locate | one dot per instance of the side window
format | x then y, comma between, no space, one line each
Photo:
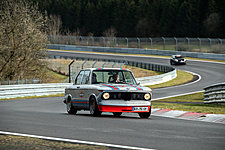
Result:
85,79
79,77
128,77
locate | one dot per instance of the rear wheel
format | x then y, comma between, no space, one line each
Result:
145,114
94,111
117,114
69,107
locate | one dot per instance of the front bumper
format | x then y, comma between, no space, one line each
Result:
123,106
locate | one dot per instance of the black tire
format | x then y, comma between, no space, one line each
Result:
117,114
69,107
145,114
94,111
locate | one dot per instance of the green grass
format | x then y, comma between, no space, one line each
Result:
53,77
199,108
182,78
9,142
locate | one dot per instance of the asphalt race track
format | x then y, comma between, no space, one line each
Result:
48,117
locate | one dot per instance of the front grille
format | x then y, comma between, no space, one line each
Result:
126,96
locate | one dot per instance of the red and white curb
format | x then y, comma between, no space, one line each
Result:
216,118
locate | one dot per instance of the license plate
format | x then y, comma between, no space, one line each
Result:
140,108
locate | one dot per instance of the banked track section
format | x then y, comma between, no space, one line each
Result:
210,72
47,116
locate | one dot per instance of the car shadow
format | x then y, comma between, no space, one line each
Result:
108,115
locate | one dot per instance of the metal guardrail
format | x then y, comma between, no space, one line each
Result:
215,93
14,91
25,81
152,80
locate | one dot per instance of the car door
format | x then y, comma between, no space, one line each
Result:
75,91
84,90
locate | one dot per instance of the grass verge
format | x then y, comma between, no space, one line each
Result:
191,102
53,77
27,143
140,72
182,78
30,97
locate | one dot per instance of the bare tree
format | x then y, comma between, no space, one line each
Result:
110,35
54,25
22,37
111,32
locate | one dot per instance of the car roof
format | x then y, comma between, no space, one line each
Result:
106,69
177,56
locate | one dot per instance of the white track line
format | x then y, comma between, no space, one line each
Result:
73,141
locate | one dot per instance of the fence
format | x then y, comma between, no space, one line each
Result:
107,61
202,45
71,67
215,93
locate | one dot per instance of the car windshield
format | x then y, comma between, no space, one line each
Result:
179,57
113,76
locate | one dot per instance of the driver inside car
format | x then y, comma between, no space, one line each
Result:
115,78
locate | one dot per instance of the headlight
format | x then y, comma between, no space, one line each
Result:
147,96
105,95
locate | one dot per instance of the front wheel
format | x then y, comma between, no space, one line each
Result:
94,111
145,114
70,109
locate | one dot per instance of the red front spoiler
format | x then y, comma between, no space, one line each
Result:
106,108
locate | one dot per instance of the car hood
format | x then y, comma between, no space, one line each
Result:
123,87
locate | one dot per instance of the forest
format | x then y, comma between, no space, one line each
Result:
139,18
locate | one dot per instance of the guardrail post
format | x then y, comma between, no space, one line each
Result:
188,41
221,43
87,40
127,42
113,64
104,64
139,43
121,65
82,65
70,71
164,43
80,40
210,44
93,64
175,42
115,41
200,44
93,41
150,42
103,41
